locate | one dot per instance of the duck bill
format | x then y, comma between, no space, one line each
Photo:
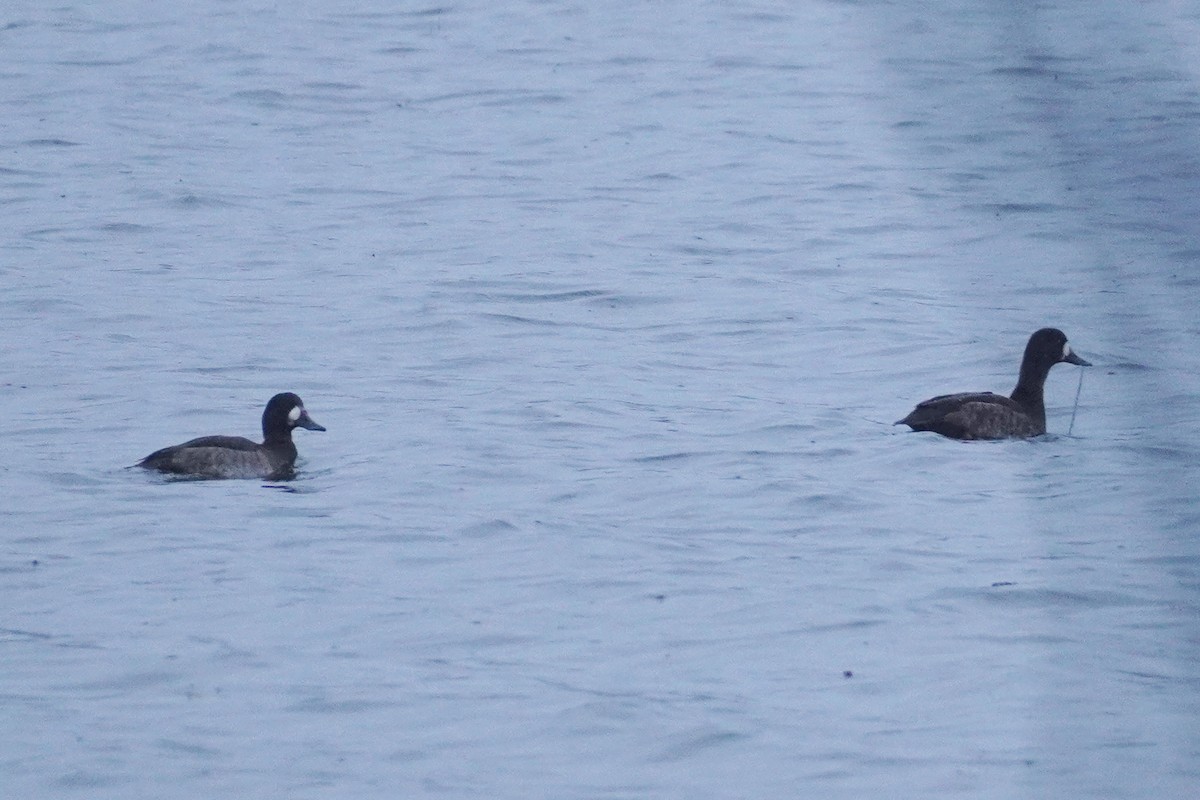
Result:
306,421
1071,358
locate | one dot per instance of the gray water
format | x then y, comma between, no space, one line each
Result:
607,308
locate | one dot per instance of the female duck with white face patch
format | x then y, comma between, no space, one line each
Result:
983,415
237,457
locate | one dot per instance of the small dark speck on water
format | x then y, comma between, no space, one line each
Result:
1002,583
847,673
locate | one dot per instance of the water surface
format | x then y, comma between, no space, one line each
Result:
607,312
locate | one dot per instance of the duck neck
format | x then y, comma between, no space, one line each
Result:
278,439
1028,393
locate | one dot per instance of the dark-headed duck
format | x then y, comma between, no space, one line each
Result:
236,457
983,415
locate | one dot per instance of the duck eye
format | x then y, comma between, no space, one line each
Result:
295,413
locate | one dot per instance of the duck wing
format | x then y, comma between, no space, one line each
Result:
972,415
930,411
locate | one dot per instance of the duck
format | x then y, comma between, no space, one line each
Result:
984,415
238,457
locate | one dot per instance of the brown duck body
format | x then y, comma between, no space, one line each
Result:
225,457
236,456
984,415
977,415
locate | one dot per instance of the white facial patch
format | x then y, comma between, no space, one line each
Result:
295,413
1066,349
